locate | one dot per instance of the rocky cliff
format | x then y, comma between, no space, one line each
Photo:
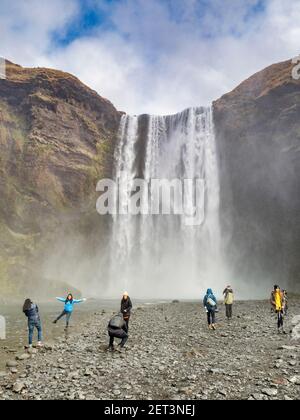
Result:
56,141
258,136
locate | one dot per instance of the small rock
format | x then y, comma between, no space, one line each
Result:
18,387
48,347
32,351
11,364
258,396
270,392
117,392
88,372
295,380
291,348
23,357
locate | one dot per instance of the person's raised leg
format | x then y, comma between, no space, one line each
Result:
59,317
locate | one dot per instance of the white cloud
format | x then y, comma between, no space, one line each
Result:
154,62
26,27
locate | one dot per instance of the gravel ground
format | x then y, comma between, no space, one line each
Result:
170,354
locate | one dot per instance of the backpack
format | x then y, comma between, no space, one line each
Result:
211,302
117,321
229,298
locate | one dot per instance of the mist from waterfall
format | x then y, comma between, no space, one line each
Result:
160,256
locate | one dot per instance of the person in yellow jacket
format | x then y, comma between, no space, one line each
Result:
278,302
228,301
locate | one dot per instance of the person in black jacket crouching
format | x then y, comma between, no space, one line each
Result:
117,329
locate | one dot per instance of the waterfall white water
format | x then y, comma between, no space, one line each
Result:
161,256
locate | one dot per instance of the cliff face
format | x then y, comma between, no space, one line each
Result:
258,137
56,141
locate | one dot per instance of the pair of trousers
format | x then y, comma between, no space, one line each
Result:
122,335
211,317
32,324
228,311
67,315
126,319
279,319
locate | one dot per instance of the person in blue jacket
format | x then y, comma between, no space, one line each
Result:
68,309
31,311
210,304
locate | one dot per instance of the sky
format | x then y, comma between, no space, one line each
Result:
152,56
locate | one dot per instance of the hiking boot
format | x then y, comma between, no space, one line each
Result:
55,322
111,349
213,327
210,327
40,344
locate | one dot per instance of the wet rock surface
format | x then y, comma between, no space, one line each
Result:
170,354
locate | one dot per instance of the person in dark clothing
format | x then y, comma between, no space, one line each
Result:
117,329
31,311
126,307
210,304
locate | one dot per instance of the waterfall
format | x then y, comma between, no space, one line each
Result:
162,255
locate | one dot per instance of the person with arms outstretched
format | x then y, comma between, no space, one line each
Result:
68,308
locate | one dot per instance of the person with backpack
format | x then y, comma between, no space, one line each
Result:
68,308
31,311
228,301
117,328
277,302
210,304
126,307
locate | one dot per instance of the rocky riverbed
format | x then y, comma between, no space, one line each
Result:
170,354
